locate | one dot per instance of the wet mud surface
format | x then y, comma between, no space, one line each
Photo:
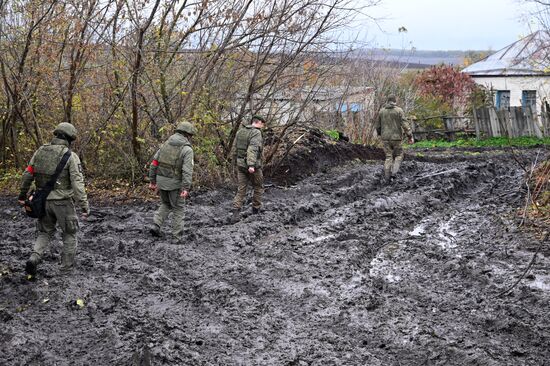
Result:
337,270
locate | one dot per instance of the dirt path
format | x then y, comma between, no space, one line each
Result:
337,271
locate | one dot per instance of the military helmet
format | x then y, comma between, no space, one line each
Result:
186,127
67,129
259,118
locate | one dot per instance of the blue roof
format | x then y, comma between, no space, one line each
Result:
528,56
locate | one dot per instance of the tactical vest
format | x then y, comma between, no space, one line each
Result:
45,162
170,159
242,141
241,144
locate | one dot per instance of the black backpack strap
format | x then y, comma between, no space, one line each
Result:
50,184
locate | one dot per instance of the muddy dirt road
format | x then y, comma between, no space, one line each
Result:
337,271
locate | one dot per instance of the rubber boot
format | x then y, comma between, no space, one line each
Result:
236,216
67,262
155,231
177,240
30,267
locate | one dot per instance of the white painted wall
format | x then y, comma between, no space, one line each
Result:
516,85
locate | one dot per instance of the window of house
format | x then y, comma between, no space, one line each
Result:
353,107
529,98
502,99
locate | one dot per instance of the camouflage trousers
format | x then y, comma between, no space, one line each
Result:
244,178
62,213
170,201
394,156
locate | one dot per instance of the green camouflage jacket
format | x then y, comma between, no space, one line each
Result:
391,123
69,184
172,165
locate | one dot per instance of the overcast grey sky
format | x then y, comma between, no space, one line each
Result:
446,24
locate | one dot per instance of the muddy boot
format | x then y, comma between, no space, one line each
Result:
67,262
235,216
155,231
384,177
177,240
30,267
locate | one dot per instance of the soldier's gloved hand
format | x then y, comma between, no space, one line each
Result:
251,170
184,194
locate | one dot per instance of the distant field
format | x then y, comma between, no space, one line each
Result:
416,57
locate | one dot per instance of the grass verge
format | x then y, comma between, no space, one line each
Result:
490,142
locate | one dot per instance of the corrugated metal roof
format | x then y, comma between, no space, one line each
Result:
528,56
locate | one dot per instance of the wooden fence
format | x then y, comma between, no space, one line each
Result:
510,122
545,118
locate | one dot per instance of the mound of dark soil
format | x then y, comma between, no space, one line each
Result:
308,150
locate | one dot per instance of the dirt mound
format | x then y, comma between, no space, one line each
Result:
307,151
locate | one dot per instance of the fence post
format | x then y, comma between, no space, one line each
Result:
501,114
545,116
514,123
509,124
535,126
522,122
493,119
476,122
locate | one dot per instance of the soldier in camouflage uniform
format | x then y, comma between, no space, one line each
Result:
171,173
60,209
390,126
248,155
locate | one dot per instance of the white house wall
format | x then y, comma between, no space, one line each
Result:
516,84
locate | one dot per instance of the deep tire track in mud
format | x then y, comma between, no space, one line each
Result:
337,270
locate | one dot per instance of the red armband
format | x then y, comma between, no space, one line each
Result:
155,163
30,169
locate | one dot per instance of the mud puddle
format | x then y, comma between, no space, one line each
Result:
337,270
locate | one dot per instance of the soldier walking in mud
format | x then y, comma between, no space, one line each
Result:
390,126
171,174
59,209
248,156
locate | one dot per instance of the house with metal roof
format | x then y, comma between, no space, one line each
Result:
517,75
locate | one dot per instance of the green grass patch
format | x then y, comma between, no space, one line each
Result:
334,134
525,141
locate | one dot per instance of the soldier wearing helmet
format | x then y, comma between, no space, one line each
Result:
248,156
171,173
69,189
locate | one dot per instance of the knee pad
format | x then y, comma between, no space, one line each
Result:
71,225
